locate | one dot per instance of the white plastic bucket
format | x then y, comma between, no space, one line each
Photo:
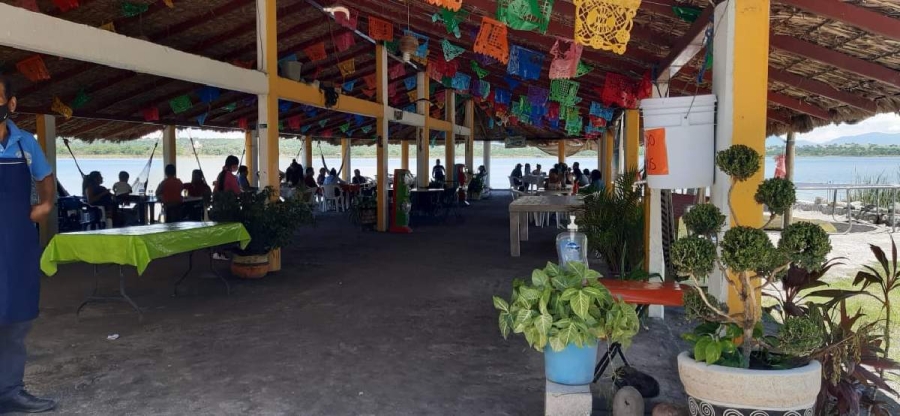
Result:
689,124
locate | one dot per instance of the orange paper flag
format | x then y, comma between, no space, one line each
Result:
657,157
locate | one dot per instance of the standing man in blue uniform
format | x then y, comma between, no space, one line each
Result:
22,165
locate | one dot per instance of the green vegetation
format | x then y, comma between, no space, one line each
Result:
839,150
141,148
563,306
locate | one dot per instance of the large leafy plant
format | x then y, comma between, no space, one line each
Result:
271,224
752,262
613,220
564,306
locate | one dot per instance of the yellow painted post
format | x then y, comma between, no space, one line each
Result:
423,134
46,135
609,141
404,154
741,86
248,156
307,152
381,124
168,145
561,152
632,138
470,139
345,159
450,138
269,109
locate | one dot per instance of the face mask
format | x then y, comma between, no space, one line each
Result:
4,112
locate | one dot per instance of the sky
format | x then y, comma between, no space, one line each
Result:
882,123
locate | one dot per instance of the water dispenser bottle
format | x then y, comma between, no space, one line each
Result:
571,245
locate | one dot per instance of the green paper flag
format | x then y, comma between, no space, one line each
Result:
80,100
451,19
450,50
345,127
564,91
230,107
583,69
688,14
531,15
180,104
133,9
479,71
574,126
393,46
432,87
280,125
323,122
366,129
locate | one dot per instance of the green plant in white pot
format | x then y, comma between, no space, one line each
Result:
568,309
739,366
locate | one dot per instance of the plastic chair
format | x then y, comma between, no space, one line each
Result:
331,196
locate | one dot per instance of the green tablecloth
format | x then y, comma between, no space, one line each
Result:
139,245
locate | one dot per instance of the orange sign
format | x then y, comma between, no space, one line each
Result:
657,158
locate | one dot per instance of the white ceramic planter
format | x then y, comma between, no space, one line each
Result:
724,391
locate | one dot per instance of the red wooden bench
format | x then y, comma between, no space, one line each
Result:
642,294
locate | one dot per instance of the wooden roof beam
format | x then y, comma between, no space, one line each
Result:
686,47
821,89
798,105
847,13
837,59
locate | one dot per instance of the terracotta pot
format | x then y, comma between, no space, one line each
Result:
250,267
714,390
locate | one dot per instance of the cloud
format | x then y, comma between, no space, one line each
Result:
882,123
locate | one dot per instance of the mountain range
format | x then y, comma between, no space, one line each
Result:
879,139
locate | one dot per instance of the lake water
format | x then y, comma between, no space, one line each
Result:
835,169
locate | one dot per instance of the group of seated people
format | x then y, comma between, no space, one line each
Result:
171,192
306,180
559,177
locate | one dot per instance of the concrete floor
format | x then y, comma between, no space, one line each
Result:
357,323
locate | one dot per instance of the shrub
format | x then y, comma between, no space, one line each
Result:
805,244
704,219
777,193
738,161
746,248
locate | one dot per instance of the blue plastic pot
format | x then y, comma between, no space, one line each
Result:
573,366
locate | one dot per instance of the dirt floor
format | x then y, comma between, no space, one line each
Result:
357,323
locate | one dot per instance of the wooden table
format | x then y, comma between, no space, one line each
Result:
522,207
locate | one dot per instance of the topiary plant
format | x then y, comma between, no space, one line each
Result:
752,262
778,194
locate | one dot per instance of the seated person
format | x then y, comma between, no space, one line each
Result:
243,179
537,170
323,173
310,179
98,195
122,187
169,193
585,178
333,178
597,184
197,187
358,179
553,181
516,176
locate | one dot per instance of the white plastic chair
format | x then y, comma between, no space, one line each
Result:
330,196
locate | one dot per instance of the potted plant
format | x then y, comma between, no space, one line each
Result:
613,221
567,308
271,225
476,187
365,209
736,367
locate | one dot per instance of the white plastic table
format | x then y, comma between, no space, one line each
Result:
526,205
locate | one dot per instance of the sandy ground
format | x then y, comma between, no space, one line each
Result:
357,323
852,246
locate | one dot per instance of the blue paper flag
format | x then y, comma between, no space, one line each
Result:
208,94
202,118
290,58
511,82
410,82
502,96
348,86
284,106
598,110
358,119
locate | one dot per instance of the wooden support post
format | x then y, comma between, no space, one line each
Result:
46,135
561,153
632,138
248,156
345,159
740,82
307,152
423,134
609,142
169,146
470,139
404,154
267,106
789,154
486,161
381,124
450,135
